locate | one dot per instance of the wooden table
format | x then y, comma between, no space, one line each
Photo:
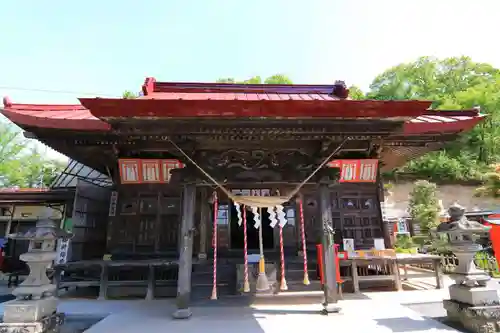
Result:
391,264
408,259
104,266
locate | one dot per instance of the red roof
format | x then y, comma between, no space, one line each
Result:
443,122
176,99
193,105
74,117
235,100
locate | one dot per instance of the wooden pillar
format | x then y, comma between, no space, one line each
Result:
330,285
186,253
204,219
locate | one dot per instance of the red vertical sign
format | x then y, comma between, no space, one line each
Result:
368,170
356,171
151,171
166,168
349,172
129,171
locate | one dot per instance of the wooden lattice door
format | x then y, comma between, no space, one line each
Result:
356,213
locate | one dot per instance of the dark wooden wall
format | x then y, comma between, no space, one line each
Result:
147,220
355,214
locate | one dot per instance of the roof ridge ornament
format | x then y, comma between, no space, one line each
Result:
7,102
149,86
340,90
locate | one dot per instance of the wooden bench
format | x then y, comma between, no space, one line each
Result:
103,283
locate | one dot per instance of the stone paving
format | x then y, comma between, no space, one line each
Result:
360,315
369,312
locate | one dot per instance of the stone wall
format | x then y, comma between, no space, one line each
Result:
462,194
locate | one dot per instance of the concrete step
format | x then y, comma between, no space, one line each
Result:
205,291
299,286
298,274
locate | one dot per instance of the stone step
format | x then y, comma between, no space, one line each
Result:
207,277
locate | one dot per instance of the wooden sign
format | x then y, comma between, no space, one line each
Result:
62,251
253,192
356,171
129,171
166,168
150,171
140,171
113,201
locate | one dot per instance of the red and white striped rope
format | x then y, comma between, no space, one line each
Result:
283,285
303,238
246,284
214,242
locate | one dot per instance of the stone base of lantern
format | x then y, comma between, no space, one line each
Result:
477,319
476,295
475,308
31,316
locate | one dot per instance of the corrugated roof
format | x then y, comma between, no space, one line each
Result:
443,122
240,96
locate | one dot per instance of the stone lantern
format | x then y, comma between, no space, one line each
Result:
474,301
35,308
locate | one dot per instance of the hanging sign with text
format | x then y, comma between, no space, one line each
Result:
356,171
140,171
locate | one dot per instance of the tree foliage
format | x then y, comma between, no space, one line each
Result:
451,83
491,185
127,94
424,205
22,165
273,79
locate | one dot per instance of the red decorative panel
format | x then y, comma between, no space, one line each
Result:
368,171
167,166
151,171
136,171
356,171
130,172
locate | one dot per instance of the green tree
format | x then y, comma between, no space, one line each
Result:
273,79
127,94
491,184
22,165
451,83
433,79
424,205
356,93
278,79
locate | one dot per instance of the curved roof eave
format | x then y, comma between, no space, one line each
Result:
65,117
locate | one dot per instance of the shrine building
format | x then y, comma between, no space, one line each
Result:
178,156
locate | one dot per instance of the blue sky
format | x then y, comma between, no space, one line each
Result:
107,46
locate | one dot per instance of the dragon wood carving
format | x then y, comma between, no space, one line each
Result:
257,159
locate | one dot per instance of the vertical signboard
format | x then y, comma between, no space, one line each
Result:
113,201
150,171
129,171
